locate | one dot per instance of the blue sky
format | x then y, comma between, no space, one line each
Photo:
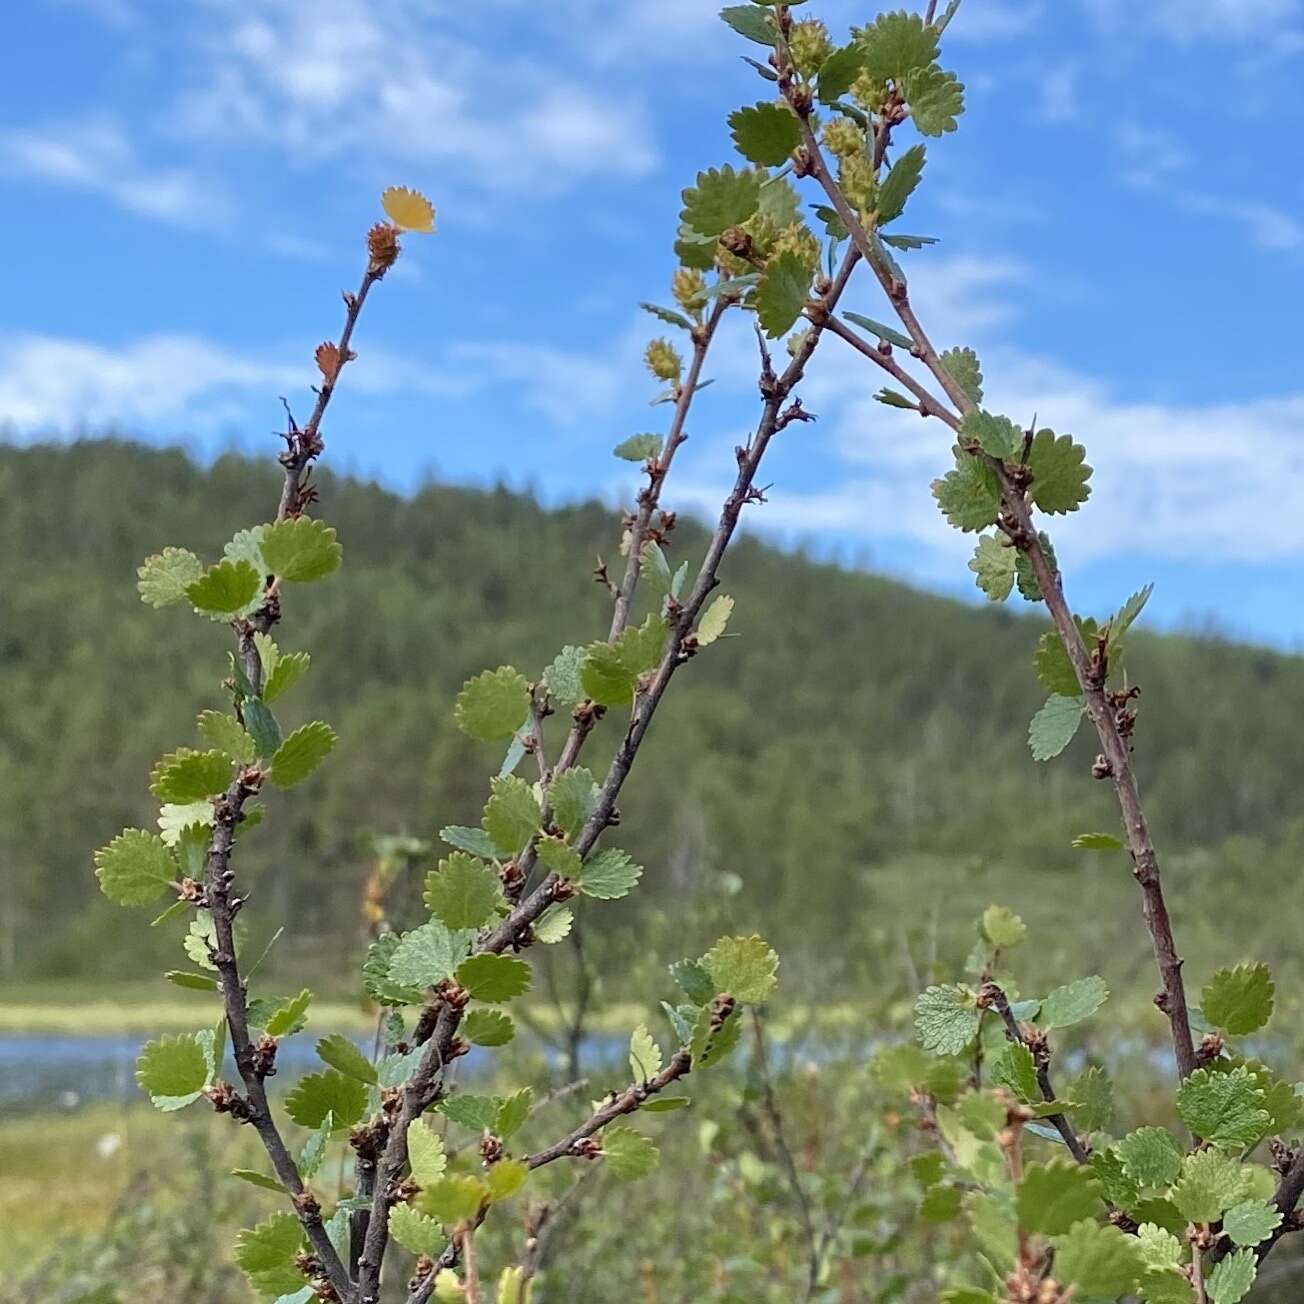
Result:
1122,238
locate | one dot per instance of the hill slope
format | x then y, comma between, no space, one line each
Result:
856,757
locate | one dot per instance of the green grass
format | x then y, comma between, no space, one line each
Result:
65,1173
75,1009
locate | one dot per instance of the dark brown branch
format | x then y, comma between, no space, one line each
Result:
992,996
426,1083
303,447
649,501
774,417
570,1146
419,1093
624,1102
1116,751
218,878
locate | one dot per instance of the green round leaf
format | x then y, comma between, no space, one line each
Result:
493,705
494,978
463,892
300,549
745,967
301,753
135,868
329,1092
1239,1000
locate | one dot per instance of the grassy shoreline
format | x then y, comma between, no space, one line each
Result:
129,1008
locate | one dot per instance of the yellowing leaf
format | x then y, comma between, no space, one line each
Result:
328,360
409,209
715,620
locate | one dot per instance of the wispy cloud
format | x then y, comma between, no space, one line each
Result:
167,381
1155,160
97,156
348,79
52,383
1220,481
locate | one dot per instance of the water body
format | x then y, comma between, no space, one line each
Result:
72,1070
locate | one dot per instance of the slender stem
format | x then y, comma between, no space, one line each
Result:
881,356
303,447
466,1238
624,1102
570,1146
649,501
307,444
994,997
650,497
837,1218
548,1222
771,1107
1145,860
773,418
218,880
425,1085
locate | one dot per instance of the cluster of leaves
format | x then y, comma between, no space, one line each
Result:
1143,1213
245,744
449,960
747,222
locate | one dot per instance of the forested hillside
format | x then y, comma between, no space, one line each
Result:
852,733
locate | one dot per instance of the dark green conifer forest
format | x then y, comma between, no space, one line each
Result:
891,773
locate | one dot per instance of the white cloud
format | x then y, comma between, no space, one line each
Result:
1059,91
1221,481
96,155
1268,226
348,79
167,381
51,383
1155,160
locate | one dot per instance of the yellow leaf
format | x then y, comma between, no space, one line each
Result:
409,209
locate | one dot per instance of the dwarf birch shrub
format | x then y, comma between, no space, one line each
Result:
1056,1197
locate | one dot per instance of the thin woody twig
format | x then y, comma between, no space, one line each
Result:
1115,749
548,1222
773,1115
573,1146
881,356
992,996
658,468
254,1063
425,1085
624,1102
749,460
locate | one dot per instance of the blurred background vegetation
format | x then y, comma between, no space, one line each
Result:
847,774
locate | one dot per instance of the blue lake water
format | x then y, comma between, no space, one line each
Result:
72,1070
